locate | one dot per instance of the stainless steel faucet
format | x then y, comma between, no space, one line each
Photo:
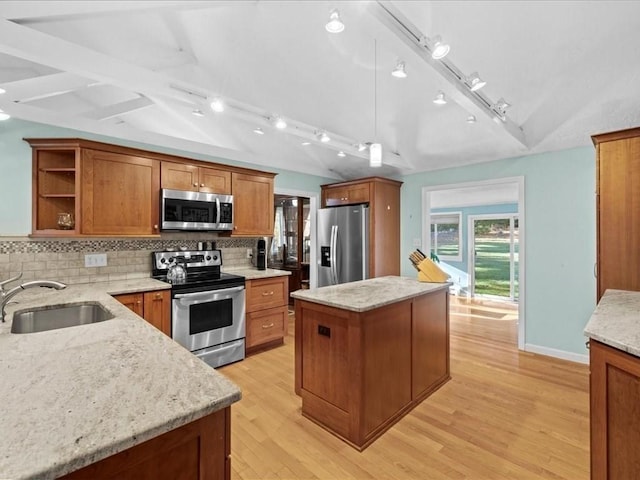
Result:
5,296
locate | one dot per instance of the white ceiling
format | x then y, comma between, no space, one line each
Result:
569,69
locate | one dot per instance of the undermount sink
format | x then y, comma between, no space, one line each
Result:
58,316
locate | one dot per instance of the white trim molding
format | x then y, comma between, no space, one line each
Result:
554,352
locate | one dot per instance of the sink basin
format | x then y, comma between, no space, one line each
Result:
58,316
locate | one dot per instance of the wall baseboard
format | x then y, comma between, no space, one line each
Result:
553,352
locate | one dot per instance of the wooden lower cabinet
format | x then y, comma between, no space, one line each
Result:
615,413
358,373
267,312
199,450
154,307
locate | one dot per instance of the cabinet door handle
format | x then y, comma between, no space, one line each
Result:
195,184
202,184
266,294
139,302
267,326
155,227
158,296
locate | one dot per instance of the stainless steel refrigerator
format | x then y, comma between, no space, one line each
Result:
343,241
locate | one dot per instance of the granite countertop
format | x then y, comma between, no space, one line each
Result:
616,321
368,294
252,273
76,395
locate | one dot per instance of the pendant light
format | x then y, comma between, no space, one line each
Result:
375,149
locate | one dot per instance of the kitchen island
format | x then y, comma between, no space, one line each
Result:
117,394
614,361
368,352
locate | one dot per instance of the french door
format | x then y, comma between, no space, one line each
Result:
493,255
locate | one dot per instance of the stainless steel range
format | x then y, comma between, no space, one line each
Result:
207,306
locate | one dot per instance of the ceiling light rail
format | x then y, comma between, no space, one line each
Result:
475,102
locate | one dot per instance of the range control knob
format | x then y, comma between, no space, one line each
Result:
215,257
208,258
163,260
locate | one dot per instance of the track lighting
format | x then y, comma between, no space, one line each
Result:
305,143
258,131
341,154
440,99
375,155
361,147
2,90
439,49
471,119
399,71
436,46
197,112
501,107
475,82
323,137
4,116
335,24
217,105
279,123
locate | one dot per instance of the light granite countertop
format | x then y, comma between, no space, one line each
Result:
368,294
252,273
76,395
616,321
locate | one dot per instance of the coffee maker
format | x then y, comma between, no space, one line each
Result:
261,255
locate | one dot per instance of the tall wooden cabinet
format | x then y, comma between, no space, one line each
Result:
618,210
383,197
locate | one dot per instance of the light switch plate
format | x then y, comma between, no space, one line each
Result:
249,253
95,260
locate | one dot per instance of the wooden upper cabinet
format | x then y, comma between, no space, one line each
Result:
252,205
120,194
179,176
112,190
333,196
55,189
618,210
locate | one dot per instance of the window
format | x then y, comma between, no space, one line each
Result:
446,236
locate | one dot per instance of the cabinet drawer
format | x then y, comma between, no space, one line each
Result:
267,293
266,325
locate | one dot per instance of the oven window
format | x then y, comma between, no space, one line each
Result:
204,317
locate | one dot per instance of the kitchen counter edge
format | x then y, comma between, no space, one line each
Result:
364,295
616,321
132,383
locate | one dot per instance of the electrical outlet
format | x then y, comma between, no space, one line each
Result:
249,253
95,260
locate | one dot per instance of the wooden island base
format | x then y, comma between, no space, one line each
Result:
359,372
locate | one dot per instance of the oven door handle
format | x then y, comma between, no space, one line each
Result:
208,292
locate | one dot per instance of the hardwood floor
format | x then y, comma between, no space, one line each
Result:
504,415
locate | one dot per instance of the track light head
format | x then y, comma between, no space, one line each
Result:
334,25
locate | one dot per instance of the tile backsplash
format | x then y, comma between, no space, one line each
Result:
63,259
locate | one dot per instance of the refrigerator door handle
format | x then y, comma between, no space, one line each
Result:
334,256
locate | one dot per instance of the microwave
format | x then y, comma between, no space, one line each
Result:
181,210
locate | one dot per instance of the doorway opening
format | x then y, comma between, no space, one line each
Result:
486,269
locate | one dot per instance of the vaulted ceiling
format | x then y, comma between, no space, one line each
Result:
137,70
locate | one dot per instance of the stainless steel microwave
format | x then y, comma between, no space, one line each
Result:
181,210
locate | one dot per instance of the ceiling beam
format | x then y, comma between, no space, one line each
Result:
118,109
476,102
44,86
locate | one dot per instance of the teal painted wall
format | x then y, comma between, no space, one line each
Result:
560,239
15,169
476,210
